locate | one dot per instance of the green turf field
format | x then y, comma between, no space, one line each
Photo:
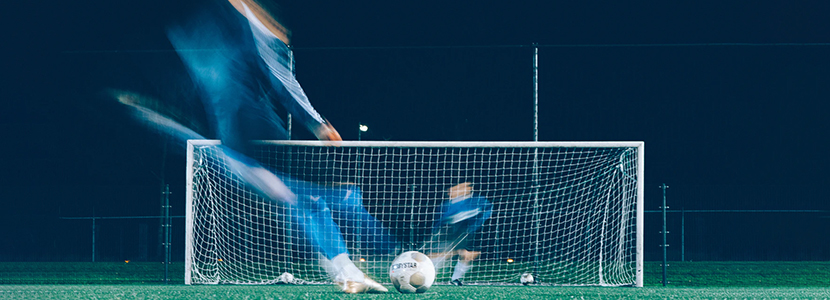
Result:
107,291
709,280
690,274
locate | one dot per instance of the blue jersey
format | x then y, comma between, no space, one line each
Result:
239,84
469,210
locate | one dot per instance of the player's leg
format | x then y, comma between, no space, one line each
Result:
465,260
452,240
440,258
229,79
316,221
444,245
140,109
438,249
315,217
359,227
465,256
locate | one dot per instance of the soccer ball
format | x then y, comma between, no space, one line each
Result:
526,278
412,272
286,278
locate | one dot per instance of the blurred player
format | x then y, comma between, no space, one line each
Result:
236,53
313,214
453,234
342,202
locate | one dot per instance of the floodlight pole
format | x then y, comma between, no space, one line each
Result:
535,92
682,234
665,260
536,213
360,129
289,126
93,234
166,233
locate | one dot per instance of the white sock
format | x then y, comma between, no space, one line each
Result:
460,268
346,269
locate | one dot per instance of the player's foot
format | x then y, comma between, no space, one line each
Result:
457,282
367,286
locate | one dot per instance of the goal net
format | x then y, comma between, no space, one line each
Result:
570,213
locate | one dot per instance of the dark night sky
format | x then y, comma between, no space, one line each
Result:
727,126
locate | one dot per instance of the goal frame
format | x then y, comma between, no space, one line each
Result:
640,145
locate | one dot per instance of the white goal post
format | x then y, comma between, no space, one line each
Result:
570,213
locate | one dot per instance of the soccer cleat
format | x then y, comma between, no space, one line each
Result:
456,282
367,286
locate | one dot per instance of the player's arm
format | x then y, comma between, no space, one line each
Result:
441,219
326,132
265,16
486,209
276,55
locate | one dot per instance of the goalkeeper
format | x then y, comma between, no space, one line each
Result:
454,231
237,53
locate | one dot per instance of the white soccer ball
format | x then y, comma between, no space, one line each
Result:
526,278
286,278
412,272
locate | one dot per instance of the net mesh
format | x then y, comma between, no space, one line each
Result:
565,214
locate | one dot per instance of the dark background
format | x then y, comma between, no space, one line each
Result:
730,98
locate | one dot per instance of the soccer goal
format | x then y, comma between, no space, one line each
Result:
570,213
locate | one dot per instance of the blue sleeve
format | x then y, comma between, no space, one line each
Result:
278,59
486,210
442,217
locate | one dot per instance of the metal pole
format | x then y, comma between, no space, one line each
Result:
93,234
162,175
166,233
535,92
289,127
682,234
538,223
665,261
